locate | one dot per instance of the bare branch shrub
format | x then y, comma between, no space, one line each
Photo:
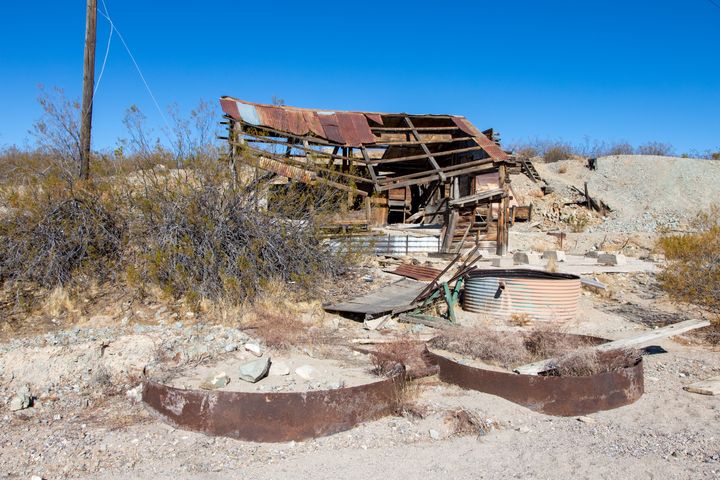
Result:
656,148
464,423
58,131
587,361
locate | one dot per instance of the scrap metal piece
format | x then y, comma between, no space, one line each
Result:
274,417
416,272
552,395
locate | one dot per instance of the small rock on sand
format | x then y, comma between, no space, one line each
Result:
21,401
279,369
218,380
306,372
254,371
254,348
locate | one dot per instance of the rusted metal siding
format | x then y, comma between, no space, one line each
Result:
417,272
540,295
274,417
553,395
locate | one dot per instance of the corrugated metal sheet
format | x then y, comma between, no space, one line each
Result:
541,295
417,272
390,244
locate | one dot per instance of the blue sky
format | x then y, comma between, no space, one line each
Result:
614,70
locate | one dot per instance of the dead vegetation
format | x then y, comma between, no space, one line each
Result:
508,350
463,423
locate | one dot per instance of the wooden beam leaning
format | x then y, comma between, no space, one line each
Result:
634,341
382,161
430,157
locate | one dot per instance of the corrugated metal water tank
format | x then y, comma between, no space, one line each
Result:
541,295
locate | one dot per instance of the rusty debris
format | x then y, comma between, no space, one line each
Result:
417,272
552,395
274,417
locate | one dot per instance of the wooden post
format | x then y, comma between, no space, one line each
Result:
502,234
88,88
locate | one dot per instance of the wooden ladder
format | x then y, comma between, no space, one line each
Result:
529,170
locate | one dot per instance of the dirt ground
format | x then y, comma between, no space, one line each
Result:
84,425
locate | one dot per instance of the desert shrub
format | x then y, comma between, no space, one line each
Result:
51,233
578,222
463,422
203,237
557,152
656,148
621,148
692,271
715,156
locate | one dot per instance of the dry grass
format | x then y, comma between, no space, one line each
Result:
551,266
562,169
465,423
586,361
520,319
58,302
505,349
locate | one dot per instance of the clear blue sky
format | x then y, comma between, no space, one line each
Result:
633,70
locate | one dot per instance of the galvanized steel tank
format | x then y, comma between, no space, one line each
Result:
541,295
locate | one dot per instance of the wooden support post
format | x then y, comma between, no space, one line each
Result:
502,233
88,87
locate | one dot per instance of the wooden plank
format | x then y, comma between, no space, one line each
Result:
629,342
711,386
431,159
383,300
421,129
446,170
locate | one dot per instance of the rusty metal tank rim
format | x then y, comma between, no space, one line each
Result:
552,395
274,416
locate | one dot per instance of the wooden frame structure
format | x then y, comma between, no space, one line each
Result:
411,168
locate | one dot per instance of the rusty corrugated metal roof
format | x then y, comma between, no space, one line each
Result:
341,127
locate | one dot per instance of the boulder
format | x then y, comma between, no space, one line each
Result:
254,371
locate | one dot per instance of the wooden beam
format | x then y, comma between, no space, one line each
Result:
430,157
446,170
629,342
422,129
383,161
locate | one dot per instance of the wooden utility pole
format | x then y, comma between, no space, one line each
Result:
88,88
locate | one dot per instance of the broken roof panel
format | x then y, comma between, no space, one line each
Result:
352,129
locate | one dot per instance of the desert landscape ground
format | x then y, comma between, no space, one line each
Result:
84,366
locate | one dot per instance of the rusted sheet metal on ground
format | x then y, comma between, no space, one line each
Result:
553,395
416,272
274,417
541,295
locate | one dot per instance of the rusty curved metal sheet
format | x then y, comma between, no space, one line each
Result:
541,295
274,417
553,395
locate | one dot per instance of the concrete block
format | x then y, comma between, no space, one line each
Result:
526,258
557,255
611,259
592,254
503,262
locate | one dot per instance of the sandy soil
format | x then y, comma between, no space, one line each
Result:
82,429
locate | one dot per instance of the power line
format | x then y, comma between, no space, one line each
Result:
107,52
106,14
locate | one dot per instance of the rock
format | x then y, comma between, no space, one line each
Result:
376,323
279,369
36,477
254,348
21,401
434,434
213,382
336,385
611,259
231,347
503,262
586,419
134,394
556,255
523,429
526,258
255,370
306,372
368,278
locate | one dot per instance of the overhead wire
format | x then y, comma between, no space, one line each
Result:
106,14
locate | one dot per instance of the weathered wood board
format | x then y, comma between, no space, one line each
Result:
383,300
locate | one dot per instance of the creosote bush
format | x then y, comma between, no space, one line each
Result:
692,272
193,232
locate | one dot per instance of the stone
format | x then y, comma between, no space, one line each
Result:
219,380
279,369
306,372
375,323
134,394
526,258
231,347
556,255
586,419
21,400
434,434
611,259
254,371
503,262
254,348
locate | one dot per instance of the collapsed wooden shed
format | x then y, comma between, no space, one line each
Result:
398,167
